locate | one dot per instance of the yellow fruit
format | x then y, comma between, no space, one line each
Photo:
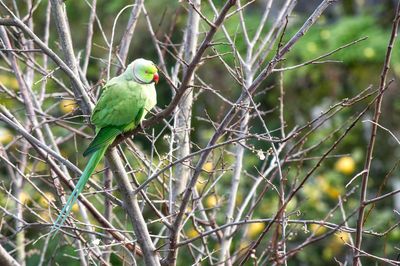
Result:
255,229
67,106
45,202
312,47
9,81
312,192
322,183
239,199
75,207
325,34
369,52
208,167
341,237
192,233
322,20
200,184
24,197
394,235
244,246
346,165
5,136
211,201
188,211
332,192
336,244
328,253
317,229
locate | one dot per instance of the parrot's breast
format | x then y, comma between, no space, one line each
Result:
151,97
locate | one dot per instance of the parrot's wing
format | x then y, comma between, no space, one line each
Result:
104,137
119,105
139,116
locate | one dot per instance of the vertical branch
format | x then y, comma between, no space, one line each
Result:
130,28
282,182
64,34
269,39
237,172
250,70
226,241
187,225
110,48
371,144
45,57
281,105
107,213
231,114
177,225
183,114
160,54
29,75
22,84
279,245
31,103
238,166
89,38
31,121
151,257
84,101
79,90
18,189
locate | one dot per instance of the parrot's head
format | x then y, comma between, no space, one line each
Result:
144,71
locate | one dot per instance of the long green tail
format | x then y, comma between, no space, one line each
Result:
89,169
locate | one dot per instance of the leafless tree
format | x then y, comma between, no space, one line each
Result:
187,199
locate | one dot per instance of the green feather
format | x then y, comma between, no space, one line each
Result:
104,137
89,169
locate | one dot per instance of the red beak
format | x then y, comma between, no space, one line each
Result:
155,78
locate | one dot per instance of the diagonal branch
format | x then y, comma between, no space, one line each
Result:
79,89
84,101
6,259
151,258
371,144
187,77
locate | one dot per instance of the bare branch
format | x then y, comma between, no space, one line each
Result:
371,144
6,259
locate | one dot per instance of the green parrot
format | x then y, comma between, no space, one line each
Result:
123,104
